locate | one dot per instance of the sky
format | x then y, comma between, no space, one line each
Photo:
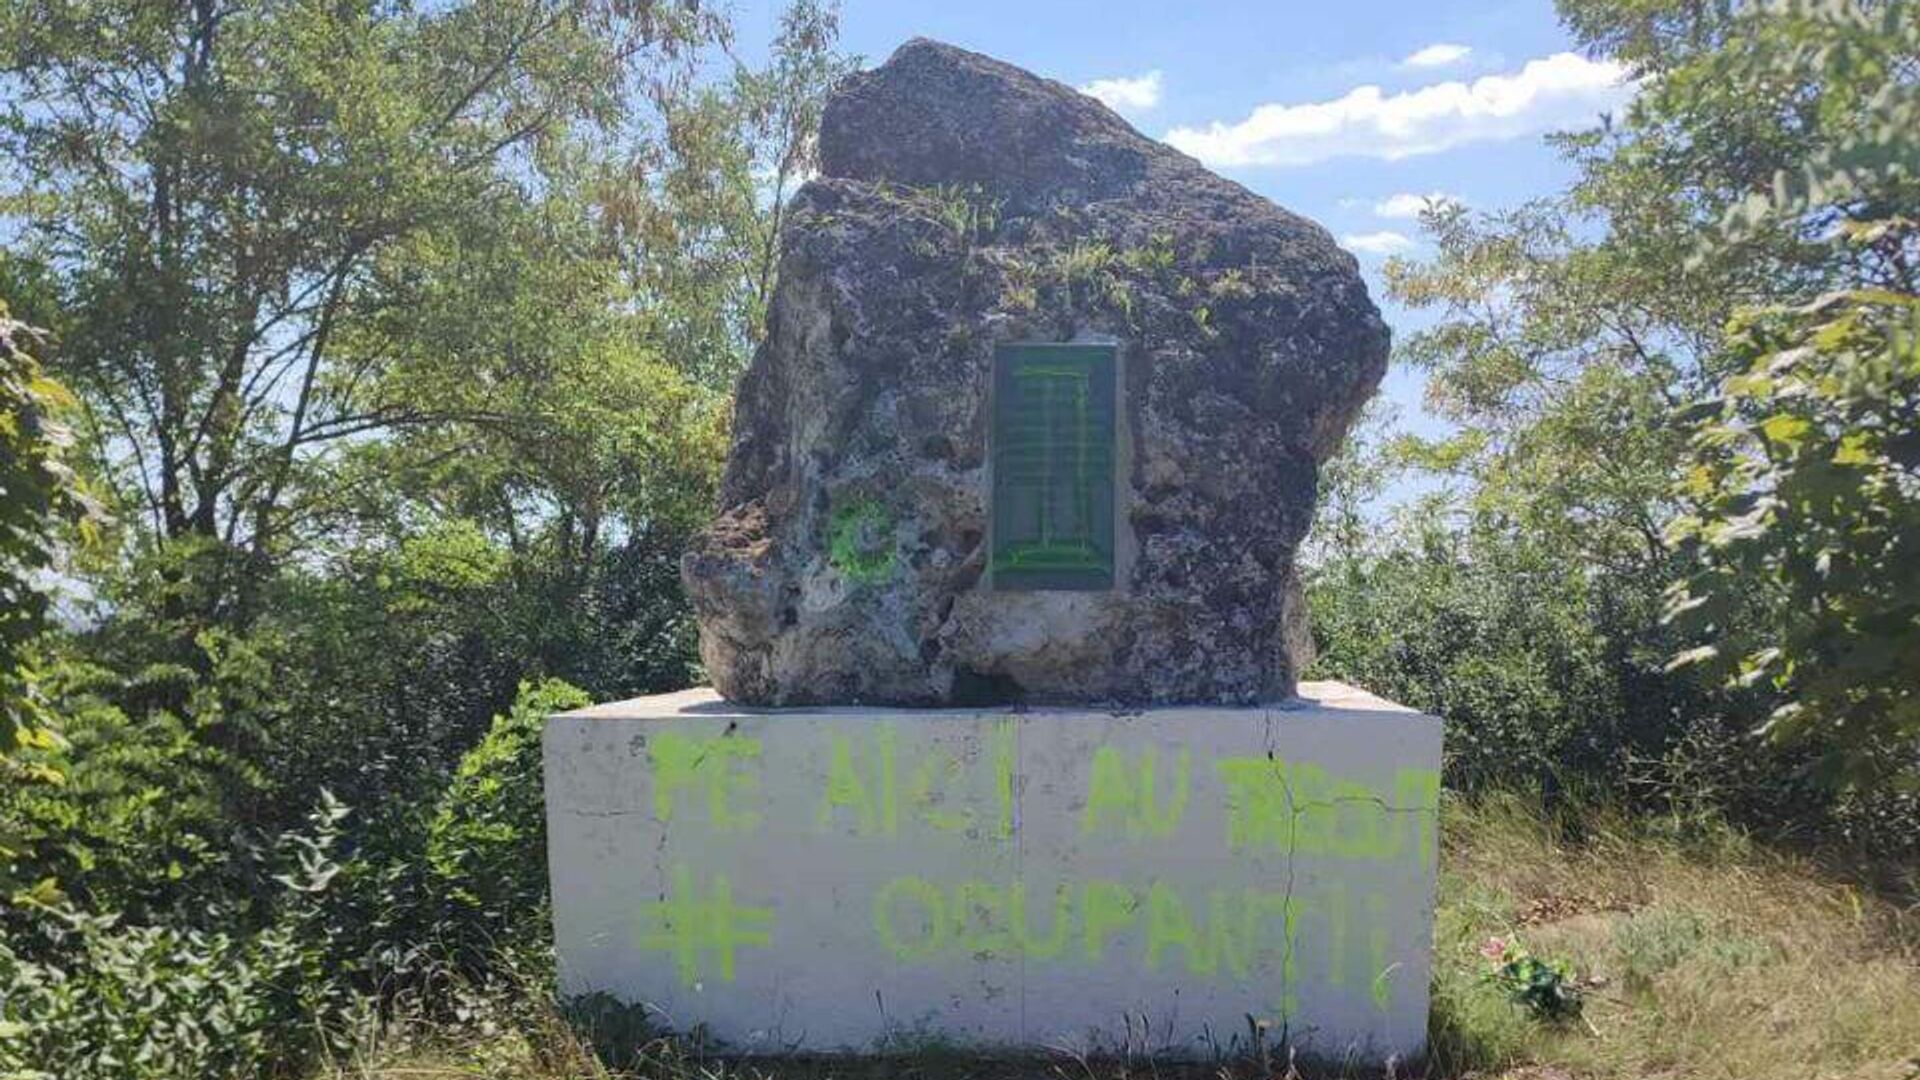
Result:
1349,113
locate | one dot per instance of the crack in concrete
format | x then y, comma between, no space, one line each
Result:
1295,809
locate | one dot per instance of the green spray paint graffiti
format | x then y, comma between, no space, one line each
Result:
1241,934
1105,908
1129,799
1300,808
881,783
1029,943
917,920
864,782
683,761
690,925
1005,749
860,541
929,911
870,785
1378,941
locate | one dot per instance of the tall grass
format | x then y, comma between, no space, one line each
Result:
1699,954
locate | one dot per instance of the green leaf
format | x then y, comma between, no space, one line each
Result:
1856,448
1699,654
1785,429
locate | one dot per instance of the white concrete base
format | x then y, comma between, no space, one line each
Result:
870,880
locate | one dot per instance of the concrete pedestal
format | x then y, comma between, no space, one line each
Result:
872,879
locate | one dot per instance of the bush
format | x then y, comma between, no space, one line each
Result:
138,826
1806,578
487,843
146,1002
1546,672
87,995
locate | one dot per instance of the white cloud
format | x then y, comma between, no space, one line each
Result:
1562,90
1141,92
1377,243
1439,54
1408,204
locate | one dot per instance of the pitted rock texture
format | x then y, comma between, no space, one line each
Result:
964,204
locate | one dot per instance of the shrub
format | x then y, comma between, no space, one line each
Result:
93,996
138,824
487,843
1806,580
1659,939
150,1002
1545,672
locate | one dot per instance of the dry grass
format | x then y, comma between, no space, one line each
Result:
1699,956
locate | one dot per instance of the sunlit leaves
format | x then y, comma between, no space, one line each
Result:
1808,494
215,195
39,494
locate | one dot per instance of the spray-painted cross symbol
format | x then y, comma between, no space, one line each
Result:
687,924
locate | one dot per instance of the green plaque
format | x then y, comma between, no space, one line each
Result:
1053,454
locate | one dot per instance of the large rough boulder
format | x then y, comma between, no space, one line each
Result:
965,204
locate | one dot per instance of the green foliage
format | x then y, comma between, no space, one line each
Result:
699,242
232,209
1084,272
123,1002
1656,940
94,997
1683,383
1804,471
620,1033
965,210
1808,531
1520,651
487,843
38,491
139,823
1521,598
398,339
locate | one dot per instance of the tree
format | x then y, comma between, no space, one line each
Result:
1804,471
700,218
1737,252
213,183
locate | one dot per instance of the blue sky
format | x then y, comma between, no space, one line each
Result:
1345,112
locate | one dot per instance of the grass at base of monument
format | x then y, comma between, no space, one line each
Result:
1697,952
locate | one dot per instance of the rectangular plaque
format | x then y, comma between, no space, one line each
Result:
1053,467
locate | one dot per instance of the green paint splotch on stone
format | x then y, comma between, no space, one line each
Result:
860,541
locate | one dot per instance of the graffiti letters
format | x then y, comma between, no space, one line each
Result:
964,788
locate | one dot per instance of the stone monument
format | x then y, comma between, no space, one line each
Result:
1008,750
1038,416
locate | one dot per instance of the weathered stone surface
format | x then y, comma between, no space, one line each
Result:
966,204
